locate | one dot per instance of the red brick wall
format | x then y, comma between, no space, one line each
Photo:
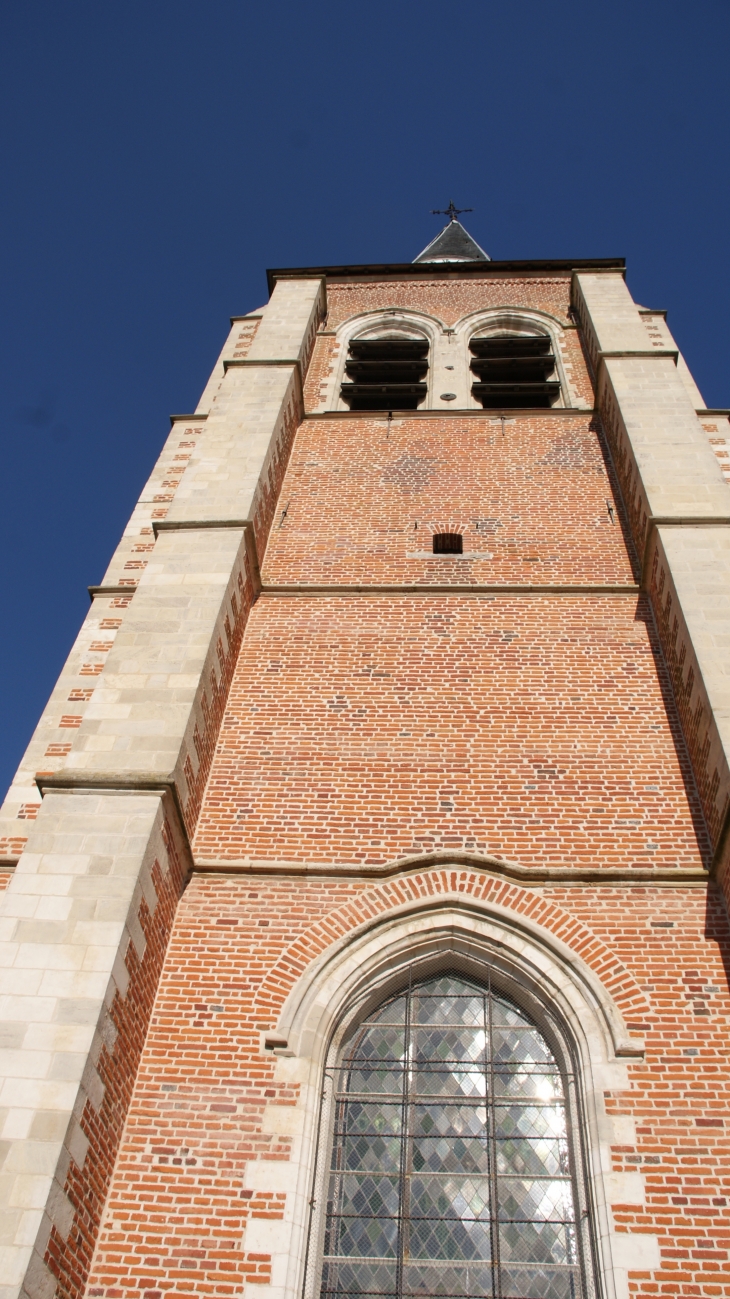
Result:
531,501
323,356
363,728
177,1207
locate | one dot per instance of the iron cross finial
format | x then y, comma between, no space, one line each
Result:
451,212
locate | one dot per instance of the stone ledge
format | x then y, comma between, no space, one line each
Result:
95,591
460,588
175,419
241,361
509,412
530,876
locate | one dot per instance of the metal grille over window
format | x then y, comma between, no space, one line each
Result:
386,374
448,543
452,1168
514,370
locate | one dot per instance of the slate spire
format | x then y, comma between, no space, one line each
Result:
453,244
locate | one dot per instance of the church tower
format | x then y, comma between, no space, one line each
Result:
365,932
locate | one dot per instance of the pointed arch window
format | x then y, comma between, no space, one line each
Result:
454,1165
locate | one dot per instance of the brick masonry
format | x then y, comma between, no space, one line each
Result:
364,728
449,298
535,501
345,732
199,1114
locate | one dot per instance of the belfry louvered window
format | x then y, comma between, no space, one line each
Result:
385,373
453,1169
514,370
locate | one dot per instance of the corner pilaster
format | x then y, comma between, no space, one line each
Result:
85,921
678,507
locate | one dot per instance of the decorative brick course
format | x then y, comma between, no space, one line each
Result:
11,846
449,299
245,337
720,445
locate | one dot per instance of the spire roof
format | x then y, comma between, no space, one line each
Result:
453,244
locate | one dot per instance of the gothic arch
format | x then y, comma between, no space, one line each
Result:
477,888
443,920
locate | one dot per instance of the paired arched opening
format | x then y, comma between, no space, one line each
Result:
405,360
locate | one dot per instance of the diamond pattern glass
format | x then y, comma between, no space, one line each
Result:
451,1167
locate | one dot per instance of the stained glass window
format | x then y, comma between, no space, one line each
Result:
452,1169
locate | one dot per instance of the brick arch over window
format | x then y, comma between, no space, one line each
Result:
625,1008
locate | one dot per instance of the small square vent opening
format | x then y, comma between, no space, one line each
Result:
448,543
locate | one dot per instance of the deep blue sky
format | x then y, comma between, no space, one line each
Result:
157,157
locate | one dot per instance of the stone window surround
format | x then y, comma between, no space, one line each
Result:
357,972
448,346
555,1040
